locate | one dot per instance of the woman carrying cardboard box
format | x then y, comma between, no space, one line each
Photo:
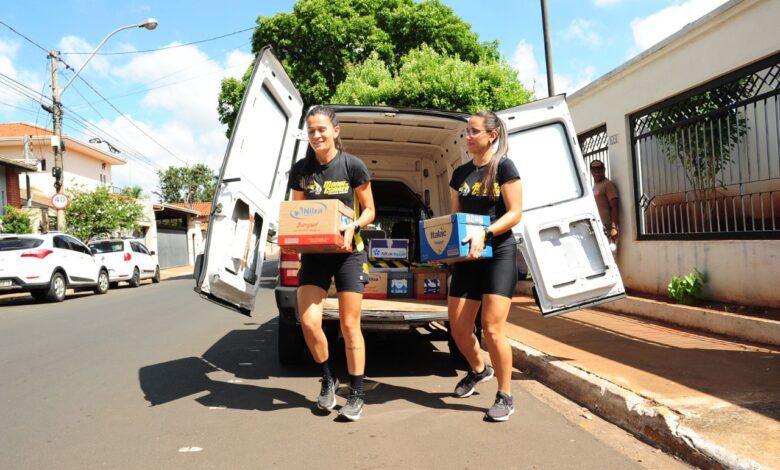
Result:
488,281
328,172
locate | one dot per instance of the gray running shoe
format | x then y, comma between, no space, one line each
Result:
354,405
327,398
502,409
468,384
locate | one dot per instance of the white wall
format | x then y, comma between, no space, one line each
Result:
746,272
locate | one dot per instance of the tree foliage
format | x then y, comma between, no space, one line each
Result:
187,184
428,79
16,221
134,192
100,212
320,39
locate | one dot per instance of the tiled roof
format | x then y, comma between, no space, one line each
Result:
203,208
18,129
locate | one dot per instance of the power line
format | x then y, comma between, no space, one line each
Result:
144,90
166,47
25,37
123,116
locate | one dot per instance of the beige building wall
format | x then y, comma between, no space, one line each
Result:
734,35
79,170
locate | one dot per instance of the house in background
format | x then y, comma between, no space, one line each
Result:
690,130
28,149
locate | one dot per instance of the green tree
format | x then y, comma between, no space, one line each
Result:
16,221
98,212
429,79
187,184
134,192
319,39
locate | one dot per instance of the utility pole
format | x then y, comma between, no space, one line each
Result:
547,50
57,171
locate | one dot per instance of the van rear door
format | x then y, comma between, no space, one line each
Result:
561,235
252,182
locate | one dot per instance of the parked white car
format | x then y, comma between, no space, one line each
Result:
127,260
46,265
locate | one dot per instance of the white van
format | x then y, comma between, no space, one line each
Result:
411,154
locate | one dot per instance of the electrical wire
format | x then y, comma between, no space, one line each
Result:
25,37
166,47
123,116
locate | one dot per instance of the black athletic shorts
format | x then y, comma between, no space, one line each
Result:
496,275
347,268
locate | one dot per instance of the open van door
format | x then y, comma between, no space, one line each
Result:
560,235
252,182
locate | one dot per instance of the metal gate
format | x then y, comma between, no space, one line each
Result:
172,247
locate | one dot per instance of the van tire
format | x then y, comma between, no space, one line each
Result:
290,343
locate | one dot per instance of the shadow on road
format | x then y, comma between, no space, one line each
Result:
250,354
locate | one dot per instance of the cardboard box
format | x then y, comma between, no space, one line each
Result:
440,237
430,284
312,226
388,248
400,285
377,286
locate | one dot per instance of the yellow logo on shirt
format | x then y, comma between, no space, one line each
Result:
336,187
476,189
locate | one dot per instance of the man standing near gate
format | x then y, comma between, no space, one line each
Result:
606,195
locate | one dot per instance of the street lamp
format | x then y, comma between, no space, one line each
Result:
56,109
149,23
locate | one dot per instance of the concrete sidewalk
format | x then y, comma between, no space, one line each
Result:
713,401
178,272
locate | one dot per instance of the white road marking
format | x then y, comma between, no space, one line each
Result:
190,449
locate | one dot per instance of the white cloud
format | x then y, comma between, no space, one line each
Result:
183,85
603,3
581,30
529,73
98,63
8,58
654,28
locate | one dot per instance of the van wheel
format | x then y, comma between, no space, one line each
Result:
135,281
57,287
290,343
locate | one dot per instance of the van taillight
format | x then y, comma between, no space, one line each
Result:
128,257
289,263
40,254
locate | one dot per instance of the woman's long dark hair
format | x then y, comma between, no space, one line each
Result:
493,123
312,164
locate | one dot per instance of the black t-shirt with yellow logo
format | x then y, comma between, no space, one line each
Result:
334,180
474,200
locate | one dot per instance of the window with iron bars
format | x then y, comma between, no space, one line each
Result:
595,146
707,162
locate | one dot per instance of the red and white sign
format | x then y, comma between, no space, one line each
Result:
60,201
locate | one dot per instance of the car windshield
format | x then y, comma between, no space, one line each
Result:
15,243
107,247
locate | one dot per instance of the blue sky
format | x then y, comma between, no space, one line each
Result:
171,95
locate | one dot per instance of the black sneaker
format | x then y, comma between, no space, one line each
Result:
468,384
354,405
502,409
327,398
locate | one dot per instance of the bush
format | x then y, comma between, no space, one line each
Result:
16,221
688,288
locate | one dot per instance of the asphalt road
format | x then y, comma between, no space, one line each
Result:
155,377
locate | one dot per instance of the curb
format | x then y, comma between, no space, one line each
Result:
645,418
734,326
